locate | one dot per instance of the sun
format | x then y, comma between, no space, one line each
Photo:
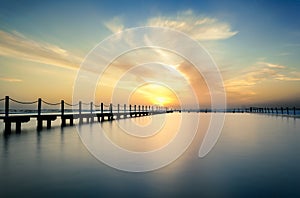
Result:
153,94
161,101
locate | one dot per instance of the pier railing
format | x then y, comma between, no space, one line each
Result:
290,111
80,110
88,111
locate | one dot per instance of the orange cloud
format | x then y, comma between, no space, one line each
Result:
250,84
16,45
7,79
272,65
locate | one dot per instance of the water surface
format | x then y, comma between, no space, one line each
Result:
255,156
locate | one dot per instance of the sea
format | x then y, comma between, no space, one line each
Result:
256,155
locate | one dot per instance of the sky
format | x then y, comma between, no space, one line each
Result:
255,45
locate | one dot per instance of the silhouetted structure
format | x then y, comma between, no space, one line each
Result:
101,115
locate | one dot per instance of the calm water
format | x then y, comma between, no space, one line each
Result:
255,156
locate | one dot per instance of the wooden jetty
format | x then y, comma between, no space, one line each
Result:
101,115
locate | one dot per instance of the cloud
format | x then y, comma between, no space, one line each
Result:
258,73
272,65
114,25
249,79
12,80
293,77
16,45
200,28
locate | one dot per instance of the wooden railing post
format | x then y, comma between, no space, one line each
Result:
91,111
101,111
91,108
287,110
281,110
111,112
39,119
80,108
294,110
62,109
6,120
124,108
118,115
39,106
6,106
130,110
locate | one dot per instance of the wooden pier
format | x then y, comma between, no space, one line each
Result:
89,116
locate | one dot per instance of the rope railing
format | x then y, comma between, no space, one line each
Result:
119,110
49,103
101,106
71,105
20,102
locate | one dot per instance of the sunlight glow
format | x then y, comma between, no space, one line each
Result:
160,101
154,94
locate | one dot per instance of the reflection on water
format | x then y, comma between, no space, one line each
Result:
116,145
256,155
132,134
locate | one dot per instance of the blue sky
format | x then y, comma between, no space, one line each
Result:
256,46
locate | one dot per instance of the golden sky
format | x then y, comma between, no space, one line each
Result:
43,60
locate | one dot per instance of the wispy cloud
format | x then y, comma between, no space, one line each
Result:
294,76
198,27
248,85
12,80
258,73
16,45
115,25
271,65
